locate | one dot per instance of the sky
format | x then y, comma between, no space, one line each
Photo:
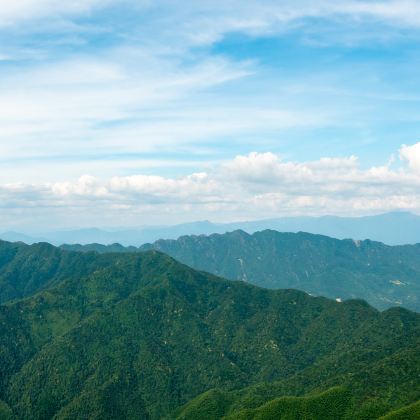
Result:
138,112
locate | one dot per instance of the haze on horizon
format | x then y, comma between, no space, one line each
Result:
133,113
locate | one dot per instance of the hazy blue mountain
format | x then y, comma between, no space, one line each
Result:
11,236
396,228
85,236
126,237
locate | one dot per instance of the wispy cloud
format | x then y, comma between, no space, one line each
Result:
17,11
104,87
79,104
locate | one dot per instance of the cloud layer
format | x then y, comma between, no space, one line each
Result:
250,186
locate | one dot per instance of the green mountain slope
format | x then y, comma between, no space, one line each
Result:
384,381
412,412
25,270
139,335
334,404
385,276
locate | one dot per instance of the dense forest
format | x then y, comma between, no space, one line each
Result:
385,276
140,335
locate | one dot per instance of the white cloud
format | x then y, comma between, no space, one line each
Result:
398,12
186,188
86,186
253,186
15,11
411,154
268,169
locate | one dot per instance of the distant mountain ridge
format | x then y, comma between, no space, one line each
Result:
138,335
396,228
383,275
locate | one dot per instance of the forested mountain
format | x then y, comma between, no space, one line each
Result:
383,275
138,335
25,270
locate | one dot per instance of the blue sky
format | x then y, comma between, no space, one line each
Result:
113,112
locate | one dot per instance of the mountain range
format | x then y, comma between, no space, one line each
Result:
383,275
142,336
397,228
